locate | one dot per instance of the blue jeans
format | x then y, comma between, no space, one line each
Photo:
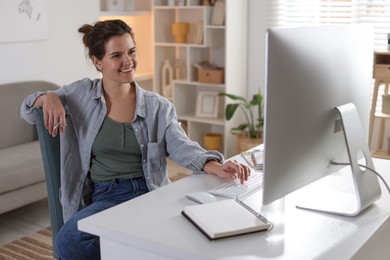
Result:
72,244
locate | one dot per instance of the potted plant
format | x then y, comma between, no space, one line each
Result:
249,133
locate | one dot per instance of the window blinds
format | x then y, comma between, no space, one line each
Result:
303,12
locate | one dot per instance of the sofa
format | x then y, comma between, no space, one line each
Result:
22,179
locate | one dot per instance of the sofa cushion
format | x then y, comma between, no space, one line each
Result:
14,130
20,166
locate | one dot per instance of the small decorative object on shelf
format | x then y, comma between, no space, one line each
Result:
180,69
181,2
180,31
209,2
212,141
199,33
209,73
218,17
207,104
167,77
115,5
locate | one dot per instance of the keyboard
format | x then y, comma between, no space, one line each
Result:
235,190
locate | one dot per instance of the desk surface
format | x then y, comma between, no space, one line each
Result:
153,223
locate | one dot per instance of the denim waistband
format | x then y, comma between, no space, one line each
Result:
117,181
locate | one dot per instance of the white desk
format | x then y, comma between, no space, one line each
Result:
152,227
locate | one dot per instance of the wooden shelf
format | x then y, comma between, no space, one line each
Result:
193,118
213,48
125,13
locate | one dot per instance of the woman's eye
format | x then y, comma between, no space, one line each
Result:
115,56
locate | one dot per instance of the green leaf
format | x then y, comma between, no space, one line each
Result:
230,109
231,96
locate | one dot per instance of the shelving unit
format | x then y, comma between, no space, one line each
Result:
139,18
381,74
223,45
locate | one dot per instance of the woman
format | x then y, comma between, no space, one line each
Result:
115,137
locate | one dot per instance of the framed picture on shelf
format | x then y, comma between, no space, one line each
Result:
207,104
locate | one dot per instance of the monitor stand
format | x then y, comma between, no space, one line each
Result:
365,183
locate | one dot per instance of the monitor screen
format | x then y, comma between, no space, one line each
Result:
310,71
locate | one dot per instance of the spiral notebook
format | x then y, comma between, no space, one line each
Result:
226,218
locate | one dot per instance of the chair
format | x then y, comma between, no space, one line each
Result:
50,149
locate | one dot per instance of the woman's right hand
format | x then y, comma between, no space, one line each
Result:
53,113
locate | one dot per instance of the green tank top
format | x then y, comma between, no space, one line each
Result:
115,152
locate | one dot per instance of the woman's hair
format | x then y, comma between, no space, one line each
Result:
96,35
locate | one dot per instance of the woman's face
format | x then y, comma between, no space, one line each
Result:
120,61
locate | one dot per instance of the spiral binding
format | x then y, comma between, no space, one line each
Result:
254,212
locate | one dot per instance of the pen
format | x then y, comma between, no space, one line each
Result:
58,124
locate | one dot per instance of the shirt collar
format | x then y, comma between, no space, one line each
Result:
97,89
140,108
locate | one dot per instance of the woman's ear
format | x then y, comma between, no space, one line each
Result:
97,63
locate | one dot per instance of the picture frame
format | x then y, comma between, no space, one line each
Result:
207,103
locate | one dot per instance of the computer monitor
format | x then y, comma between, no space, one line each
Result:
311,71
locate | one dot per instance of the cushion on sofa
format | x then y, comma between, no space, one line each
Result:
20,166
14,130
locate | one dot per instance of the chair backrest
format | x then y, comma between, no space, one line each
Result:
50,149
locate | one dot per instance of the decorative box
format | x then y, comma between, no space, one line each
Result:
213,76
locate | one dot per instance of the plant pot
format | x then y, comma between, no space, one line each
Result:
212,141
244,142
180,31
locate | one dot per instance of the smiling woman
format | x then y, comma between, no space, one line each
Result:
116,139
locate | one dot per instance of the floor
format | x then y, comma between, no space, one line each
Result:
31,218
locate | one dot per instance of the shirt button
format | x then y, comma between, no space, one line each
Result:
144,160
136,129
142,146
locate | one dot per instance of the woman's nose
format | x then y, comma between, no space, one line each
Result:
127,59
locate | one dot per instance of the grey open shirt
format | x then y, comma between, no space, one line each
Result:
155,124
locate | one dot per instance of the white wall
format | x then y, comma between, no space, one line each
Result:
61,58
257,26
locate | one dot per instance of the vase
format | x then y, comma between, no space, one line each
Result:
245,142
180,31
166,78
212,141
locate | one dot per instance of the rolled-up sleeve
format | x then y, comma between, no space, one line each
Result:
184,151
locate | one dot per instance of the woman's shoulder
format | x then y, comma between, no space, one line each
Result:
85,82
83,86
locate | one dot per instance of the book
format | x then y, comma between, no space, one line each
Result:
225,218
218,17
